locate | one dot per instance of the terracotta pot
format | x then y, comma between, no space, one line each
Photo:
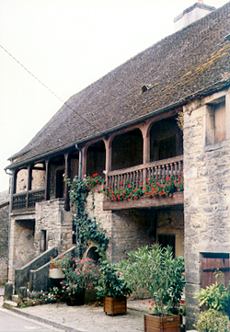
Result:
115,305
56,273
154,323
76,299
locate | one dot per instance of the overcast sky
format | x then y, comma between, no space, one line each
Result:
67,44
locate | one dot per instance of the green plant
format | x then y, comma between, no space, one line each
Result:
85,228
212,321
215,296
79,274
154,268
111,282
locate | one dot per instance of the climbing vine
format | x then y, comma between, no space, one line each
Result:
86,229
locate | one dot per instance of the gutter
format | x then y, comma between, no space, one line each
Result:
199,94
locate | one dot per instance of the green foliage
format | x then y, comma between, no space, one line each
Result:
154,268
215,296
212,321
86,228
111,282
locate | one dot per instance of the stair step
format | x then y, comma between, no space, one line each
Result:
9,304
15,299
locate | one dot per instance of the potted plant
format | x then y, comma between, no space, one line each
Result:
55,269
113,288
80,274
154,269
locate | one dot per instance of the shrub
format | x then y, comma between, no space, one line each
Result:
155,269
215,296
111,282
212,321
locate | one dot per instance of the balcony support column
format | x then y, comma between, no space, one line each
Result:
13,187
83,161
66,187
29,183
146,147
47,180
108,157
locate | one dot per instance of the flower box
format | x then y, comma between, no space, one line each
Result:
56,273
153,323
115,305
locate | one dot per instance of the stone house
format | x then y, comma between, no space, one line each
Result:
4,224
125,126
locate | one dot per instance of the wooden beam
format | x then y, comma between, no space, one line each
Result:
47,181
66,187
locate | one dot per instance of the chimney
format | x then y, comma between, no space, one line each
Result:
192,14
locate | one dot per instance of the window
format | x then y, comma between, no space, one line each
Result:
43,240
215,122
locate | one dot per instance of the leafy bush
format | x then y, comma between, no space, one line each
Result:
212,321
154,268
111,282
215,296
79,274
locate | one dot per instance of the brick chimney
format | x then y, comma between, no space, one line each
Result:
192,14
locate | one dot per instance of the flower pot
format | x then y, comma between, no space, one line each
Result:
115,305
76,299
154,323
56,273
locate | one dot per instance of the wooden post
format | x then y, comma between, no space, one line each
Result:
83,161
29,183
108,157
67,176
146,148
47,181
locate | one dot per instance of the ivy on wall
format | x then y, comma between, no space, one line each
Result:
86,229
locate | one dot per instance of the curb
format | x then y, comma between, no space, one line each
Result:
10,307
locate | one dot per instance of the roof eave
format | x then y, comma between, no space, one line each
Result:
221,85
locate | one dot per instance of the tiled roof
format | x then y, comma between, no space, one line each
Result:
181,66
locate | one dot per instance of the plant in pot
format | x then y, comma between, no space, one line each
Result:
55,269
154,269
113,288
80,274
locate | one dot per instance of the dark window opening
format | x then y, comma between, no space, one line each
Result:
127,150
43,240
166,240
59,183
96,158
165,140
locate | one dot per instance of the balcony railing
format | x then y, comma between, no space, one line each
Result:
27,199
142,174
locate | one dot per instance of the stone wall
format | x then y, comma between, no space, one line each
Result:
207,193
133,228
171,221
38,180
52,218
4,223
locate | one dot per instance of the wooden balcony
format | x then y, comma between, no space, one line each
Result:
25,200
139,177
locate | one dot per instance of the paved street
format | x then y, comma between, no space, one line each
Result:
10,322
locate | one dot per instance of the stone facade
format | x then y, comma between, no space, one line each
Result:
206,192
133,228
4,223
56,222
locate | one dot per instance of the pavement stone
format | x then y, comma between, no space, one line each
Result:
88,318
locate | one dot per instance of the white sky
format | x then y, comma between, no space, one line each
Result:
67,44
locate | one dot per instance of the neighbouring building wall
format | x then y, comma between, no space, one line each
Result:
4,223
53,226
206,190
